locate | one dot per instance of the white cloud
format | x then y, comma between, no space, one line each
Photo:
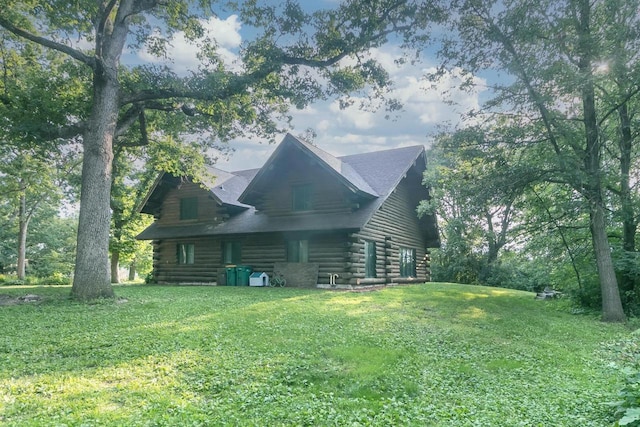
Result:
323,125
247,154
182,54
226,32
308,110
426,107
437,102
353,115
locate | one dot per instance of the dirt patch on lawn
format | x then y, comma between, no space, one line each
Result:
12,300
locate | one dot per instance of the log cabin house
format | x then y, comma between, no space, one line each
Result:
316,219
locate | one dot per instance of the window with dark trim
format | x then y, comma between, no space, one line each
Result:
369,259
231,252
407,262
185,253
301,197
189,208
298,251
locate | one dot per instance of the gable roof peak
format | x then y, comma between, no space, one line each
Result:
343,172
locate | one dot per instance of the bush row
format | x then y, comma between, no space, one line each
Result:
55,279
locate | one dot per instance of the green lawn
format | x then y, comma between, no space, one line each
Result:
434,354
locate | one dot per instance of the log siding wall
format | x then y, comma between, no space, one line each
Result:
327,195
261,252
208,210
393,226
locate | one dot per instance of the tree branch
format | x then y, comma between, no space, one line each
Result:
235,86
66,132
128,119
76,54
615,107
108,8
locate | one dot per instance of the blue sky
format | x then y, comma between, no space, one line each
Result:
341,132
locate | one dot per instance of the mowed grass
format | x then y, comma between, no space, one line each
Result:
427,355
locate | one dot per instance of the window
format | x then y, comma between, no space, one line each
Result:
301,197
369,259
407,262
189,208
186,253
231,252
298,251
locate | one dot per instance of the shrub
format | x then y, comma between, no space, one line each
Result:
628,407
457,269
55,279
12,280
588,296
149,279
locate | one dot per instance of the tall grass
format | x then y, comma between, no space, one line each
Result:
434,354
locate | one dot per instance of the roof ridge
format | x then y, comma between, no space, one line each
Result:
417,146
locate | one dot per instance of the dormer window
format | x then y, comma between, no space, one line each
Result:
188,208
301,197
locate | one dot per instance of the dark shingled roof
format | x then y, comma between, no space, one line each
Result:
226,186
375,175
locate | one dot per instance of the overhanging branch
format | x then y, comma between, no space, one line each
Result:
74,53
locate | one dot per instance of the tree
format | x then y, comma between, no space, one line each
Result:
550,51
130,183
28,184
478,178
616,82
276,72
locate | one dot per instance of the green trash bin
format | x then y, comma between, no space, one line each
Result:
243,273
232,275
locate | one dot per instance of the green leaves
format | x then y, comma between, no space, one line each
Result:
628,360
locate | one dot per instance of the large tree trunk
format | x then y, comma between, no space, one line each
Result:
627,209
612,310
611,304
92,278
92,275
22,235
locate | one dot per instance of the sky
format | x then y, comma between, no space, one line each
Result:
427,108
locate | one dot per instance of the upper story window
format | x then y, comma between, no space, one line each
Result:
189,208
301,197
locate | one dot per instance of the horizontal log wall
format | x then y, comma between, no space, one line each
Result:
394,226
207,259
332,255
260,251
327,195
208,210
